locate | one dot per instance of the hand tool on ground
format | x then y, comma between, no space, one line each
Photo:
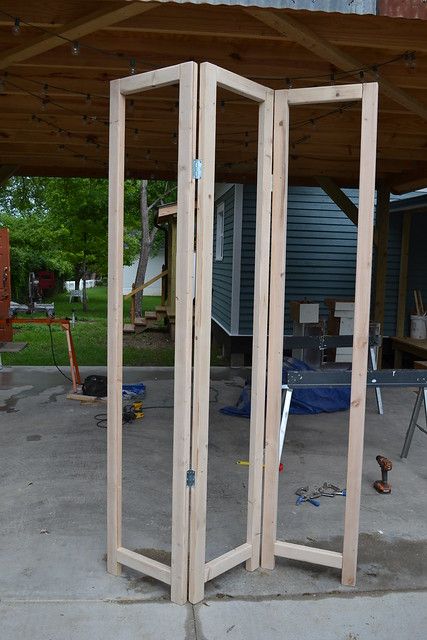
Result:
386,465
330,490
132,412
245,463
304,495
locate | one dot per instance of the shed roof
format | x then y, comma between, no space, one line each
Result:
54,105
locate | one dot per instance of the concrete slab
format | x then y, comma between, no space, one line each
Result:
360,618
53,498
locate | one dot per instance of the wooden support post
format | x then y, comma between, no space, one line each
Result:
403,274
115,325
361,330
276,324
202,329
183,292
382,226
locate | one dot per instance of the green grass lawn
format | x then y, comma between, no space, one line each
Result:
89,335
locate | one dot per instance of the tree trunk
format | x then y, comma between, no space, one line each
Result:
77,278
145,247
84,297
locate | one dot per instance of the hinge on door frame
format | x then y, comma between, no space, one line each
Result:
197,169
191,478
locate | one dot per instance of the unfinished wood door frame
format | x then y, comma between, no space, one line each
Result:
212,77
177,574
271,546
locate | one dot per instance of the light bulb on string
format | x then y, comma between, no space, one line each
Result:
132,65
75,48
88,98
16,29
222,106
131,107
174,138
289,83
135,134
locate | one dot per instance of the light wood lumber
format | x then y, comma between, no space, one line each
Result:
150,80
187,75
260,321
202,328
115,326
275,325
335,93
227,561
308,554
146,284
296,31
141,563
403,274
361,331
240,85
73,31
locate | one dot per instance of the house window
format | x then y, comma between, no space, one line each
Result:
219,226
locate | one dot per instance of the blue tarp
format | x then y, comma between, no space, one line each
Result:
304,401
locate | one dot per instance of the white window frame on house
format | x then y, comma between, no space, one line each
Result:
219,237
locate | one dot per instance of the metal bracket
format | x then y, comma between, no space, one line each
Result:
191,478
197,169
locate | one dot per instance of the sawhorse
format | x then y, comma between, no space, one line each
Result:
413,423
394,378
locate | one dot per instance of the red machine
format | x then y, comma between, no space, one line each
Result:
6,331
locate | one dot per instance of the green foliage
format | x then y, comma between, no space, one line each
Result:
61,224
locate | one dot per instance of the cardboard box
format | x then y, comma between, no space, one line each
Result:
305,312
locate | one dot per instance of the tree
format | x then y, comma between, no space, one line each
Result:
158,193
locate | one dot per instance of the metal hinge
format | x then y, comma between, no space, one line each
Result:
197,169
191,478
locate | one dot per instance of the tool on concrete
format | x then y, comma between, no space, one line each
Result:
330,490
245,463
386,465
304,495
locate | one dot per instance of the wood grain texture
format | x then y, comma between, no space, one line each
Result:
361,330
202,328
275,325
115,326
183,330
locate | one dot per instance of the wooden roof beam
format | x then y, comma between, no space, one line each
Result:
342,201
73,31
409,182
297,32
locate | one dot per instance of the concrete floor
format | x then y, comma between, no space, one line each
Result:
53,581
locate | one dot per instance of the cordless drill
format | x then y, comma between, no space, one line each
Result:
382,486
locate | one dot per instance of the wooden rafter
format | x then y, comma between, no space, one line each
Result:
309,39
73,31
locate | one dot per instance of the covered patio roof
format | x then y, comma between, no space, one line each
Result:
54,105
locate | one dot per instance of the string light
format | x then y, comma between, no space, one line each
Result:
88,98
131,107
135,134
16,29
75,48
132,65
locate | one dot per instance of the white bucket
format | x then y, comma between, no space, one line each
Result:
418,327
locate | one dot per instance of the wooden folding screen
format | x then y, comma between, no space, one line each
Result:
212,77
271,547
177,574
189,570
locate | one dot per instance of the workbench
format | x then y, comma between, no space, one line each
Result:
402,345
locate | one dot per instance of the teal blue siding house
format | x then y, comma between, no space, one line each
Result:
321,255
